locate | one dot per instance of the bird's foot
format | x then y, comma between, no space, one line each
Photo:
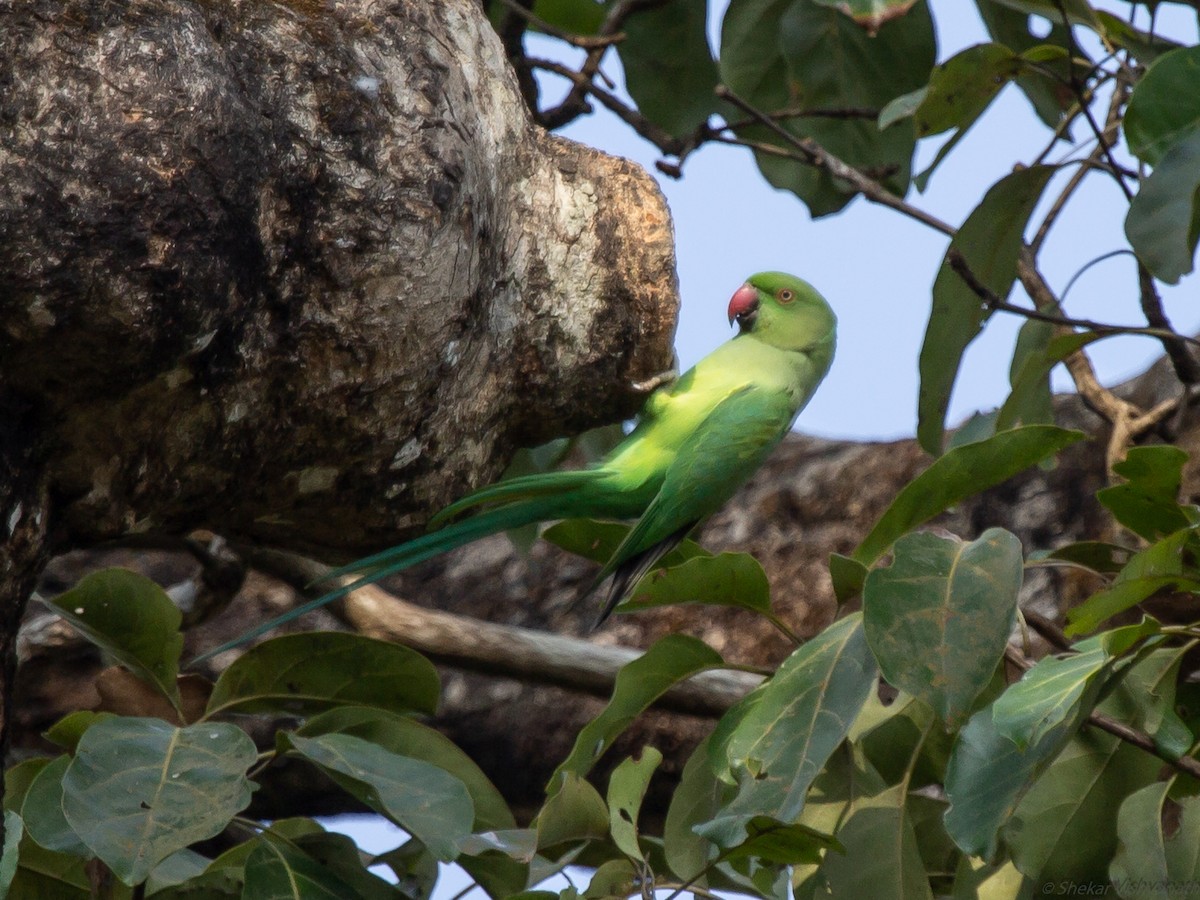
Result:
654,382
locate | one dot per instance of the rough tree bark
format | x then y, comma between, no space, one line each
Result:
296,272
299,272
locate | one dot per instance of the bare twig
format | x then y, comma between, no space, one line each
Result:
816,155
1046,629
1061,201
574,103
665,141
1080,92
582,41
961,267
1185,365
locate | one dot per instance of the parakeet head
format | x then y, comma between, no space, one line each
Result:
783,311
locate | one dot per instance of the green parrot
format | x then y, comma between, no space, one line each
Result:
696,441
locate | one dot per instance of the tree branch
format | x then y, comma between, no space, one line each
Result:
1185,764
504,650
816,155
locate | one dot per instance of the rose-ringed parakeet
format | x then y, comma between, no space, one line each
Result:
696,441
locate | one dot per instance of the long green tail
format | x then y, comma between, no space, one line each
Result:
559,499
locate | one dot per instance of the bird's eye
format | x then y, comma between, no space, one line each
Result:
786,296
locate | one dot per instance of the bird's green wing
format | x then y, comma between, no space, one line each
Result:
725,449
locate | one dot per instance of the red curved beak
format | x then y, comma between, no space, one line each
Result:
743,305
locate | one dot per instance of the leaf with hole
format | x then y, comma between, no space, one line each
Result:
626,789
139,790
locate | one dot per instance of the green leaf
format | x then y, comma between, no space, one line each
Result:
959,90
847,779
277,871
1064,829
42,812
961,473
423,799
338,855
697,799
727,579
1146,858
415,868
515,843
43,874
1046,696
132,618
139,790
19,777
1029,376
773,743
881,859
638,684
669,69
1158,566
1077,12
405,737
67,731
1048,91
598,541
1145,46
848,576
1143,695
626,790
780,844
989,241
791,56
988,775
1098,556
13,829
616,879
408,738
1148,502
177,868
1163,224
583,17
938,619
1036,353
301,674
574,812
1164,107
903,107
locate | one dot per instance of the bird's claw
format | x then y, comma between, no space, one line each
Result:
654,382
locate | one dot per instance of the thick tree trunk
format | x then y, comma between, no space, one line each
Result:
302,272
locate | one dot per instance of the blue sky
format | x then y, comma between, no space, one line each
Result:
877,267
